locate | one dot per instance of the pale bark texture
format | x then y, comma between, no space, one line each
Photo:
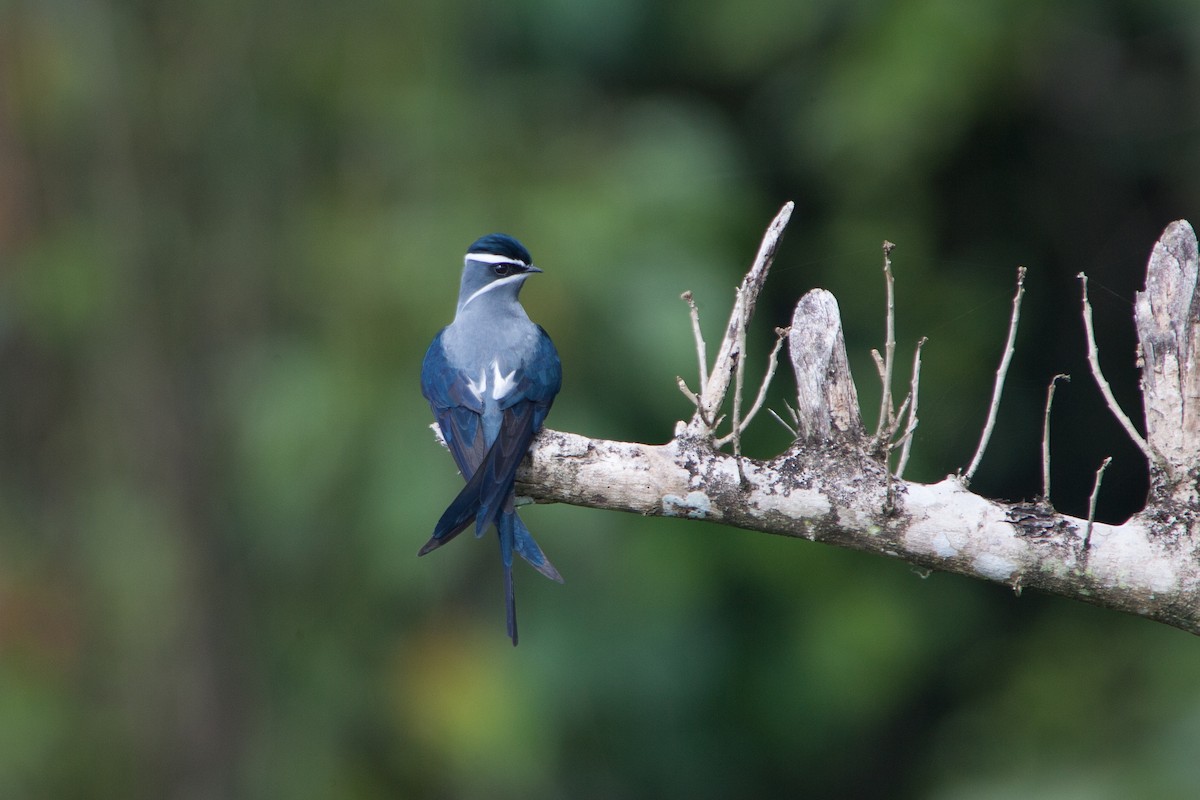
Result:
832,484
1168,325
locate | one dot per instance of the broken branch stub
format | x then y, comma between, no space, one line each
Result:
826,400
712,393
1167,313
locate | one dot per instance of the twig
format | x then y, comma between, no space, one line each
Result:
879,367
712,395
1093,356
779,419
1001,372
772,364
739,379
701,348
794,414
904,437
889,504
886,419
1046,435
900,412
688,393
738,382
1087,537
912,410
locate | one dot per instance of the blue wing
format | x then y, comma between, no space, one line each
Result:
457,410
489,469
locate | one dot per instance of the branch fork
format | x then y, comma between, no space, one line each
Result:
730,364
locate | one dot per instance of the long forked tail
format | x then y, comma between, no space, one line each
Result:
488,493
505,530
527,548
515,536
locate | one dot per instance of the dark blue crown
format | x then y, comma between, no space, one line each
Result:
501,244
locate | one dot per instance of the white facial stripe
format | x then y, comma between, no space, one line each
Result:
492,258
520,276
503,383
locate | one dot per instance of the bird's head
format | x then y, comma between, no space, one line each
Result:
493,270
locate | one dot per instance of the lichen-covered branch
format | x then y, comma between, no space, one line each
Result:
836,496
832,485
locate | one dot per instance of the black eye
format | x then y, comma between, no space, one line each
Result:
503,270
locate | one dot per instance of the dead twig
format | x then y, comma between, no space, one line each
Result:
701,347
1093,356
760,398
719,378
905,441
1087,537
885,363
1001,372
1046,435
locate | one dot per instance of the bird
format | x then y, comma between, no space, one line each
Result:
490,377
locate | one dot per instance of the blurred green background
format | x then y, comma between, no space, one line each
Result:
228,230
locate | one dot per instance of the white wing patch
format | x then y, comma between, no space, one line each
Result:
503,383
478,389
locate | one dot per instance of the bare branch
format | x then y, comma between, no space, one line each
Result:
712,395
701,347
900,412
739,380
1093,356
772,365
912,410
688,393
886,418
890,505
1001,372
837,496
879,366
1046,436
794,427
1091,520
779,419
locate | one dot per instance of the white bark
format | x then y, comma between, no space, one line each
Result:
1168,323
826,398
828,487
837,496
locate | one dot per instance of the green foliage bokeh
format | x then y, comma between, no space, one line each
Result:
228,231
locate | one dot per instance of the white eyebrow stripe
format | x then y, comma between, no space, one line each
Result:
520,276
492,258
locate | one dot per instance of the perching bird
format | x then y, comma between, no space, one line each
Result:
490,377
